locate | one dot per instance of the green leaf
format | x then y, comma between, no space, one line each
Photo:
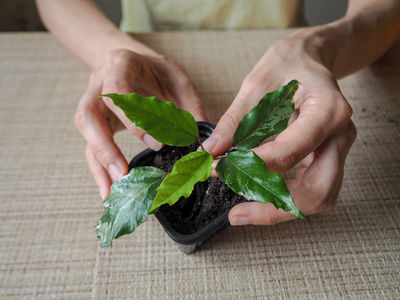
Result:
161,119
247,175
269,117
128,204
187,171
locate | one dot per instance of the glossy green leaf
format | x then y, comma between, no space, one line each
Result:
161,119
128,204
247,175
269,117
187,171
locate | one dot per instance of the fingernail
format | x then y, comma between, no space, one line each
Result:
152,143
237,221
115,172
211,142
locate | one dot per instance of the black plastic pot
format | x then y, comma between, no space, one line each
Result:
187,242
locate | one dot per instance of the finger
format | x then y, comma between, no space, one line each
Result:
221,138
252,90
100,175
256,213
315,189
188,99
307,160
213,166
322,180
96,130
193,105
317,120
114,82
101,142
179,88
139,133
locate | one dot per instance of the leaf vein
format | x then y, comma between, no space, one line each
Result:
139,192
266,188
262,123
151,113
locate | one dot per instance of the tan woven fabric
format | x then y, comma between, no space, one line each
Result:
49,202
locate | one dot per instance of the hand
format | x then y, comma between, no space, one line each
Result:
98,119
319,136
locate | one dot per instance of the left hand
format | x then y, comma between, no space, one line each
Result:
319,136
98,120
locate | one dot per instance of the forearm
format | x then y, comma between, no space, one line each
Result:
368,30
86,31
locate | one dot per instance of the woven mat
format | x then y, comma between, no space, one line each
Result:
49,202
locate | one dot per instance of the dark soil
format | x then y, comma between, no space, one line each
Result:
208,201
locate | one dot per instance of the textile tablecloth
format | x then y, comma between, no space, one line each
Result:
49,202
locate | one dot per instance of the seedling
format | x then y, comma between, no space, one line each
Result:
140,193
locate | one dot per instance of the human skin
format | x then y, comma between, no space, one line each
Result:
320,134
119,64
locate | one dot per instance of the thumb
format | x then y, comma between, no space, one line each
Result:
221,139
248,96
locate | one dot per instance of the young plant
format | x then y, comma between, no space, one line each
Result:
140,193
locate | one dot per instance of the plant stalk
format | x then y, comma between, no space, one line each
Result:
201,145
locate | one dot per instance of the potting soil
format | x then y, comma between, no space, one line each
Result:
208,201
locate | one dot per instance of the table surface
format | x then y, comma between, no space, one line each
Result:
49,202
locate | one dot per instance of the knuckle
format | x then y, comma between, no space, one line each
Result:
102,152
83,116
231,119
184,83
187,84
88,154
163,58
348,110
325,204
117,55
135,131
345,110
270,219
347,136
80,118
94,75
342,110
197,107
351,132
115,86
250,84
286,161
326,198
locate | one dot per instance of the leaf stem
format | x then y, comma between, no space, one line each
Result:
201,145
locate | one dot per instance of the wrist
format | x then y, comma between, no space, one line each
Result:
354,41
321,43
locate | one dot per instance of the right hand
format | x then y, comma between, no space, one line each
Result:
318,138
126,72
